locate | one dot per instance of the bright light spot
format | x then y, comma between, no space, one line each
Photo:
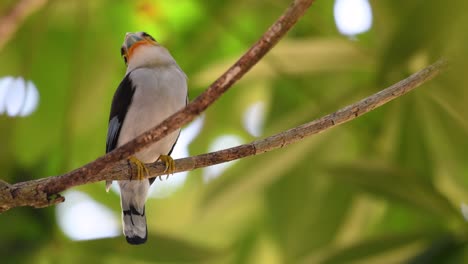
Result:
18,97
353,16
464,210
222,142
5,84
164,188
81,218
254,117
31,101
15,97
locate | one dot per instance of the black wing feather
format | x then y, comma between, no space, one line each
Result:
120,104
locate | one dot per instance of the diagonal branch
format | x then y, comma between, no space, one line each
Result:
202,102
346,114
45,191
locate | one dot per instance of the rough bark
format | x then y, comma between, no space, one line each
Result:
44,192
31,193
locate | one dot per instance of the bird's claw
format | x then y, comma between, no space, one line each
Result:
170,165
141,168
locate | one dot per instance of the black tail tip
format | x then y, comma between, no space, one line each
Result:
136,240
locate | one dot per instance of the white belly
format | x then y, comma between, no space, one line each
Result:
159,93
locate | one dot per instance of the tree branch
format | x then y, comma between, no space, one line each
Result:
121,170
346,114
44,192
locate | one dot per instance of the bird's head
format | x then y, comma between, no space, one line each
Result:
142,50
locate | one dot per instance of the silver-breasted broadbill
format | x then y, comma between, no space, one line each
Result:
154,87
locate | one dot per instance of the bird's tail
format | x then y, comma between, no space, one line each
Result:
134,222
133,213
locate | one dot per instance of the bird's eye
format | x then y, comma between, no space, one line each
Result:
123,53
146,35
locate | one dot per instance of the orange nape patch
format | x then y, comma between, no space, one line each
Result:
135,45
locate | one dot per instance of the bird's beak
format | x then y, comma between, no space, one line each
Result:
130,39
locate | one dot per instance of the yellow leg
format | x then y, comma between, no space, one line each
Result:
141,168
170,165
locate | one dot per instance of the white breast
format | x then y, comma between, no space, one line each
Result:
159,92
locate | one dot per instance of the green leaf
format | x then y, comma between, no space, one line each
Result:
395,248
445,249
395,184
158,248
305,210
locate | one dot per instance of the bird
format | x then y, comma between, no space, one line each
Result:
154,88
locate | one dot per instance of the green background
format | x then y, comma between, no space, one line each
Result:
384,188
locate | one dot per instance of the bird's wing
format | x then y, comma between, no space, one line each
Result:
120,105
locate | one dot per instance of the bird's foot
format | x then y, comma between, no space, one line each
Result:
141,168
170,165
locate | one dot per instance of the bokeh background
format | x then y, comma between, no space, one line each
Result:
388,187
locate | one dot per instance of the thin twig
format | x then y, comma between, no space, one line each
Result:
346,114
44,192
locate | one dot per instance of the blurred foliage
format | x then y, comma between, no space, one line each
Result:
385,188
